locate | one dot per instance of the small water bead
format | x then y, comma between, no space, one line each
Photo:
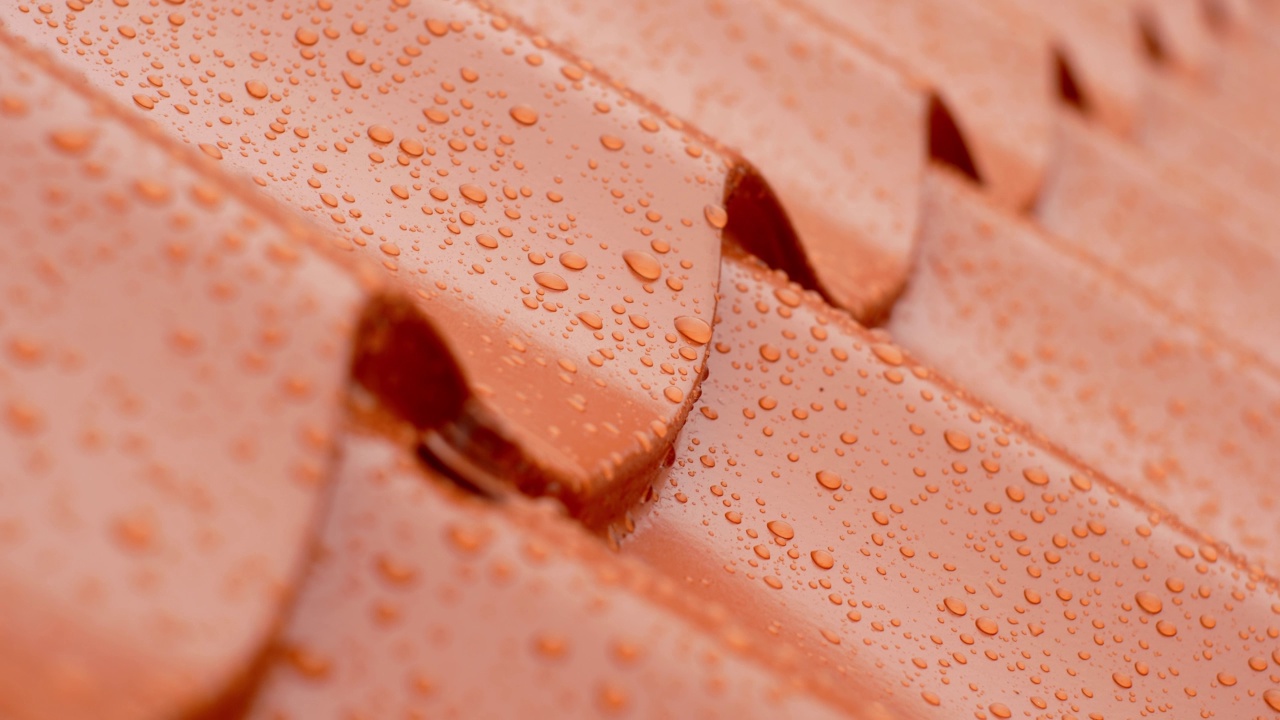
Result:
591,320
888,354
71,141
1149,602
642,264
306,36
524,114
256,89
487,241
550,281
1272,699
956,606
695,330
474,193
412,147
381,134
829,480
781,528
987,626
822,559
716,216
611,142
1036,476
957,440
573,261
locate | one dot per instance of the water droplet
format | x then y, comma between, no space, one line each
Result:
716,216
829,480
695,330
474,193
956,606
611,142
642,264
550,281
987,625
889,354
524,114
1036,476
957,440
306,36
591,320
1149,602
822,559
550,646
381,134
781,528
256,89
71,141
412,147
573,260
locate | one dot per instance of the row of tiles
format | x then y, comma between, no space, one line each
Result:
646,205
951,242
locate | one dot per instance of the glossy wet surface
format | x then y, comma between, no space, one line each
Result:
407,359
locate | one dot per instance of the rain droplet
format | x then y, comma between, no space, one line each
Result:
642,264
829,480
1149,602
71,141
781,528
550,281
957,440
524,114
573,260
695,330
716,216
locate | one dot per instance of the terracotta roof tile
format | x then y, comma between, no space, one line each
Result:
591,457
172,362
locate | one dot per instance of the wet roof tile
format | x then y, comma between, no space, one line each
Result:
552,228
991,68
171,361
498,262
1158,237
844,157
1034,329
428,603
908,539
